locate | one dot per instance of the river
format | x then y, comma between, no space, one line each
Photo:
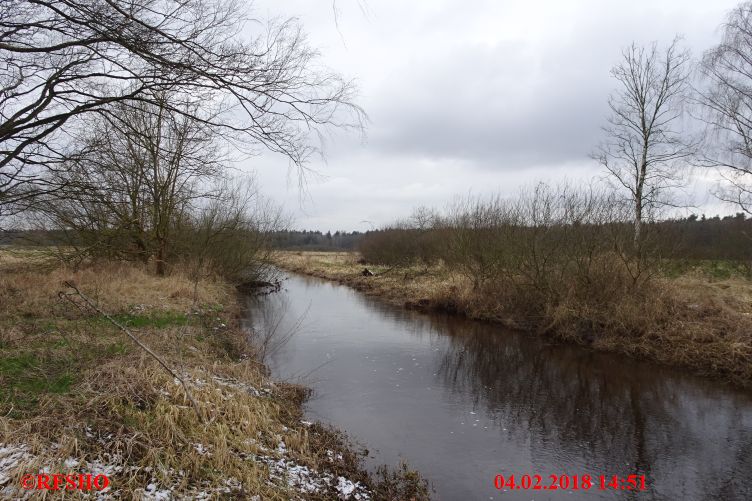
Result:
465,401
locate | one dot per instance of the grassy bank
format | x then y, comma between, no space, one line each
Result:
693,318
78,396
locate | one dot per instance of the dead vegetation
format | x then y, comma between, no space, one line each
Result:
694,320
78,396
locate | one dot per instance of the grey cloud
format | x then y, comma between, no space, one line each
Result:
471,95
484,109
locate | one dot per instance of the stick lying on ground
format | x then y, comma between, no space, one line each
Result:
156,357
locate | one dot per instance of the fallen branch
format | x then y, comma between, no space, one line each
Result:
148,350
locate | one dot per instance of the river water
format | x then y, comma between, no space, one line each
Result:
464,401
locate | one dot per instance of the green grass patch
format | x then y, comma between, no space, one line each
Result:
158,320
25,377
714,269
47,364
14,366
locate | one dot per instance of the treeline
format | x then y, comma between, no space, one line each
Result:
315,240
699,238
727,238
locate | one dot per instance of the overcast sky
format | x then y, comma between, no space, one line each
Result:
467,97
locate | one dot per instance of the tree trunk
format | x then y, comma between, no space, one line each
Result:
637,221
637,229
160,257
642,174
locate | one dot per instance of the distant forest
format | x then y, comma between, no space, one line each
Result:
315,240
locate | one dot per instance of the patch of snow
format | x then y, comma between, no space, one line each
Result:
307,480
152,492
109,468
10,456
297,476
346,487
237,385
201,449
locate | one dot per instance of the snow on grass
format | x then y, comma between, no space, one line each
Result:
298,477
283,470
309,481
201,449
346,488
156,492
239,385
111,467
225,382
10,456
282,448
152,492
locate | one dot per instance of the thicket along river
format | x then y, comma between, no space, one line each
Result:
465,401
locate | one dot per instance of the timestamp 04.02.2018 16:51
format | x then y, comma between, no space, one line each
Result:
571,482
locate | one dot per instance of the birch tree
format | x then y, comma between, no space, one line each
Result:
644,146
727,108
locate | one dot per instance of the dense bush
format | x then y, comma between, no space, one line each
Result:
546,250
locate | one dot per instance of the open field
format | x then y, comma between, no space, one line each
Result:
693,319
78,396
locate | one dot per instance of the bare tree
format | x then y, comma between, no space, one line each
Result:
145,168
727,107
644,145
63,59
229,233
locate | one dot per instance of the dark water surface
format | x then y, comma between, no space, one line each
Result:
463,401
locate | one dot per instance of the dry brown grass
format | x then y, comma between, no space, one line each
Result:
26,288
398,285
75,389
692,321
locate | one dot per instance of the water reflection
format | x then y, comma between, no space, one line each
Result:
464,400
691,439
268,323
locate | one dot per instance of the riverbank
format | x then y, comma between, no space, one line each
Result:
78,396
692,320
